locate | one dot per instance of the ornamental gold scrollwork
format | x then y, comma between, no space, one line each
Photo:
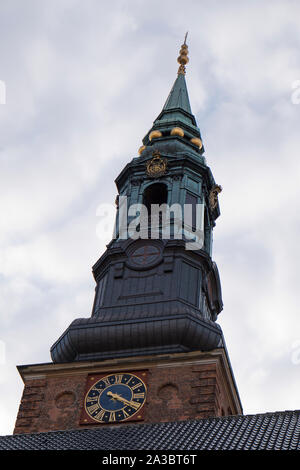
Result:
157,166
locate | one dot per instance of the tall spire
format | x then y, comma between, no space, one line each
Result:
178,97
176,118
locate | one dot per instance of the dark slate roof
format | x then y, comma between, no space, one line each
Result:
269,431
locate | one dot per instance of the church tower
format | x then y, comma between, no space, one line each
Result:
152,350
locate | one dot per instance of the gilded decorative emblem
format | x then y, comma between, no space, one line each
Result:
213,196
157,166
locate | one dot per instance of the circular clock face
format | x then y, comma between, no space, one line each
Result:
116,397
145,255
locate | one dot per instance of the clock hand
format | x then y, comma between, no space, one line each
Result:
114,395
133,404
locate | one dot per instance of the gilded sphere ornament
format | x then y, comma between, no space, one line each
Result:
183,57
154,135
197,142
177,131
141,149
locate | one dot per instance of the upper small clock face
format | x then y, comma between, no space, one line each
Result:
145,255
116,397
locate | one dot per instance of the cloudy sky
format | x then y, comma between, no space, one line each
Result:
84,81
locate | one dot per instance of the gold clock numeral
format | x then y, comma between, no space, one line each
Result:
139,395
99,415
139,384
106,381
134,404
118,379
112,416
125,413
93,408
90,399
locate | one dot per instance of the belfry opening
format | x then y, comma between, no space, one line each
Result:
156,193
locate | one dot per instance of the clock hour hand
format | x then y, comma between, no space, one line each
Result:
133,404
115,396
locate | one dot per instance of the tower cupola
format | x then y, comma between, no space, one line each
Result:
153,294
151,351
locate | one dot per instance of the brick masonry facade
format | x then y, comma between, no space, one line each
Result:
180,387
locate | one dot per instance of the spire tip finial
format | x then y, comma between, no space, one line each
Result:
183,56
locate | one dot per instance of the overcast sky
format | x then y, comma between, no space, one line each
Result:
84,82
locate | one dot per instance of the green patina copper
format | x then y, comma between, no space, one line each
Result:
176,113
178,97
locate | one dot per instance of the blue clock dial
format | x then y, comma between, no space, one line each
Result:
116,397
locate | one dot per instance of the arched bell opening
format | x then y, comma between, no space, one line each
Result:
156,193
154,197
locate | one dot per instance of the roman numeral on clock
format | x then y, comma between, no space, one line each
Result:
99,415
139,395
93,408
134,404
106,381
118,379
139,384
90,400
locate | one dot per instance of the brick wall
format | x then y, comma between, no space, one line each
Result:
175,392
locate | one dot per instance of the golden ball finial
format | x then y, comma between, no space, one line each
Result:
183,57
